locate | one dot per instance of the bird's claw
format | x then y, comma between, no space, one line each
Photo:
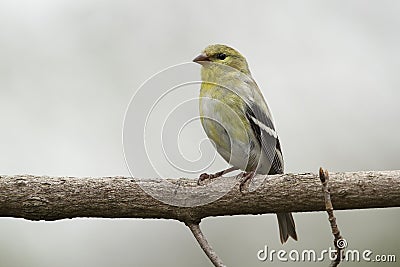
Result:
206,176
247,176
202,177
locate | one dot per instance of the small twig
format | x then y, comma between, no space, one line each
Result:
201,239
339,242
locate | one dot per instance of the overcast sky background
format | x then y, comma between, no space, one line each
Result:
68,70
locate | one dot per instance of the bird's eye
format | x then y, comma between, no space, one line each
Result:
221,56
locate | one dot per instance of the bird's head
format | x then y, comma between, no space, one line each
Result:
225,55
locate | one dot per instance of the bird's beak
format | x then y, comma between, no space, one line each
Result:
201,57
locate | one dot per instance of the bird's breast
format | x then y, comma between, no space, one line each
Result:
225,123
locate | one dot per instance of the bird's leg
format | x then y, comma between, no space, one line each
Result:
246,177
206,176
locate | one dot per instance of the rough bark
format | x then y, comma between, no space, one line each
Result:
53,198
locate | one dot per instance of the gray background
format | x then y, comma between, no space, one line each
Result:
69,68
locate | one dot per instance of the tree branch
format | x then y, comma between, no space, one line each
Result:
54,198
201,239
339,242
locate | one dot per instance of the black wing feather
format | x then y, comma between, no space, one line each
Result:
270,144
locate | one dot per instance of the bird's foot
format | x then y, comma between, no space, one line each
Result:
247,176
206,176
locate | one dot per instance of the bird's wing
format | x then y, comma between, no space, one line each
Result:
259,116
264,130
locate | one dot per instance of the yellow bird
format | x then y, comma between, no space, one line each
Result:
236,118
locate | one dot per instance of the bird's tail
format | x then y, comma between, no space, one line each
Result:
286,226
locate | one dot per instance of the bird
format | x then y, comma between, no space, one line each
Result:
236,118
